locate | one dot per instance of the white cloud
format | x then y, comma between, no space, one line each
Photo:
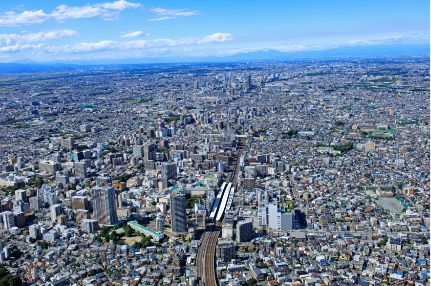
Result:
48,35
119,5
134,34
12,19
64,12
171,13
186,47
117,46
107,11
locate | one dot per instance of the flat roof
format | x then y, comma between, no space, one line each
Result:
144,228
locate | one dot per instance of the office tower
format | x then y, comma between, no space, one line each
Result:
249,183
80,169
78,155
49,167
19,219
103,201
80,202
35,231
64,180
225,251
169,170
1,252
200,218
196,85
81,215
21,195
87,154
222,166
178,154
138,151
8,219
85,128
68,143
270,216
51,199
119,201
62,219
178,214
18,206
244,230
26,207
55,211
89,225
160,224
247,80
149,152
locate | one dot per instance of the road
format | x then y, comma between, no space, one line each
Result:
205,260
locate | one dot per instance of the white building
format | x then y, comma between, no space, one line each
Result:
55,211
270,216
8,220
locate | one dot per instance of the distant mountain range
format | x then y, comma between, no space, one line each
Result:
356,51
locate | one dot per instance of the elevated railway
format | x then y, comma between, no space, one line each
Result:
205,260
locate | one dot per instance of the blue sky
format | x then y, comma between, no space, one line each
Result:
89,30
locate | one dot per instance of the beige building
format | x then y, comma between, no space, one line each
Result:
370,146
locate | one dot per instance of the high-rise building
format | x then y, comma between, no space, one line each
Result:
249,183
178,154
68,143
225,251
8,219
138,151
80,169
80,202
104,208
51,198
21,195
89,225
270,216
49,167
85,128
35,231
149,152
19,219
169,170
62,219
55,211
1,252
80,215
200,218
178,214
244,230
160,224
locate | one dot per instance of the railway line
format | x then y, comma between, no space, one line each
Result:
205,260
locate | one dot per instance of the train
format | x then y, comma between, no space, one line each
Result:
224,198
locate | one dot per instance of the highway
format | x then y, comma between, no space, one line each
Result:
205,260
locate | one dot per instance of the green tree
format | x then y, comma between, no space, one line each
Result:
43,244
128,230
7,279
251,282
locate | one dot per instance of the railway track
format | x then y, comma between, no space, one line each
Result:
207,249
